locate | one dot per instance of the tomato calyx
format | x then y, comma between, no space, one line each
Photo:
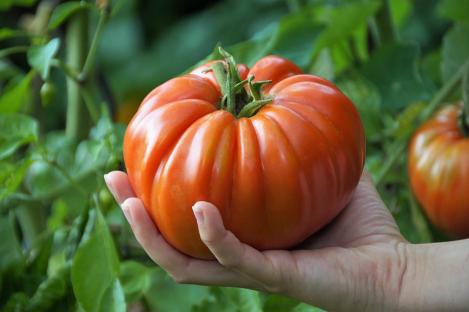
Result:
242,98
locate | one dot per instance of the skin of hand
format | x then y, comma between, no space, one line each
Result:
359,261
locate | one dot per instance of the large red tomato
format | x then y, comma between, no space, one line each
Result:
277,176
438,165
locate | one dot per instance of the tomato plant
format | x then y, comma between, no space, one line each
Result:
64,243
439,170
279,152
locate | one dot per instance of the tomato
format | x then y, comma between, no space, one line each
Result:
276,176
438,163
47,93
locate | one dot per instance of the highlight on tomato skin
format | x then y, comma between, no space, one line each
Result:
438,165
279,153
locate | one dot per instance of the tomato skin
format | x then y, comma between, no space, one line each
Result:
273,68
277,177
438,164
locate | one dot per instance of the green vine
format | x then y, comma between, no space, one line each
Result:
78,69
77,120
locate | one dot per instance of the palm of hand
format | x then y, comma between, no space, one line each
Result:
360,252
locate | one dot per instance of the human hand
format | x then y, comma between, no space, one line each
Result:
360,260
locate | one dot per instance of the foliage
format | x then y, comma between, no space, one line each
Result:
65,245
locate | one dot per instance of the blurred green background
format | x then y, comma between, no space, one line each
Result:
64,243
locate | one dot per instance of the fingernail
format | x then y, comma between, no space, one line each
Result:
127,213
198,213
110,187
108,183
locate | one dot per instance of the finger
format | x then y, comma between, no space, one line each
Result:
119,185
230,252
182,268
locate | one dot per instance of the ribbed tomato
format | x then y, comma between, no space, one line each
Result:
277,176
438,166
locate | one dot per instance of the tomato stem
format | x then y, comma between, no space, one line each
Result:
91,57
239,100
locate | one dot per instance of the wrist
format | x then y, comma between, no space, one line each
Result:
436,277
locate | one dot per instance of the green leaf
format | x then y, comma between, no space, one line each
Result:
457,10
135,279
17,302
166,295
58,215
231,300
229,21
7,70
323,65
367,99
455,50
277,303
292,38
303,307
394,71
16,130
44,178
400,10
41,249
64,169
7,33
343,20
431,67
63,11
6,4
49,292
17,96
95,269
295,39
10,249
11,176
40,57
113,299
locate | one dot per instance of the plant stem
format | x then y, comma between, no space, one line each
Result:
77,122
90,104
32,221
13,50
447,89
69,72
400,145
91,57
